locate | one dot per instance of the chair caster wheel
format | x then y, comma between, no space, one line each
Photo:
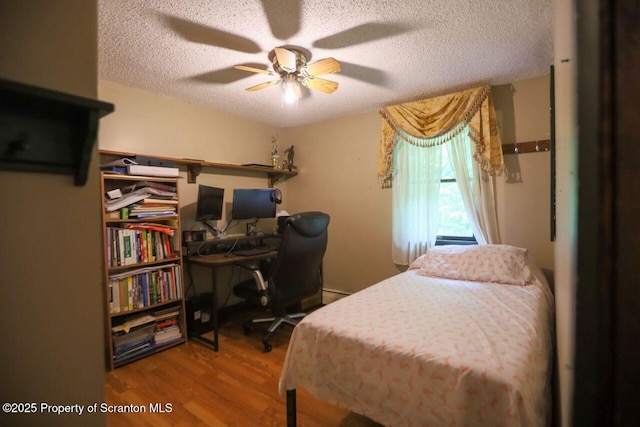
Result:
267,348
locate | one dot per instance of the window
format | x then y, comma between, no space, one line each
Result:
454,227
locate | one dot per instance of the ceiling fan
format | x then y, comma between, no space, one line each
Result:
289,63
291,68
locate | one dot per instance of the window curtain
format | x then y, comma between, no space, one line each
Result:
477,188
467,120
416,194
434,121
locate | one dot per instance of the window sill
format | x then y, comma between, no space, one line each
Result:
443,241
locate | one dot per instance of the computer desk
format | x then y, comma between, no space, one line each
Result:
215,261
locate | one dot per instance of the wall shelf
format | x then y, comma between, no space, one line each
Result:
195,166
48,131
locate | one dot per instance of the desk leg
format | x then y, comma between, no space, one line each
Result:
214,316
214,308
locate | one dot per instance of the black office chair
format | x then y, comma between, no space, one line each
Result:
296,273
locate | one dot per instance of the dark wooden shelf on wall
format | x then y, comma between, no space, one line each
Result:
526,147
195,166
47,131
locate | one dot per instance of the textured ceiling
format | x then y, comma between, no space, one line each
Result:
390,51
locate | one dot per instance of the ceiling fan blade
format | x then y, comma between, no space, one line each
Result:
252,69
199,33
323,66
326,86
283,17
286,59
263,85
361,34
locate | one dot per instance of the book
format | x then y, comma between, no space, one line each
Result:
152,200
153,213
126,200
134,323
143,184
124,162
155,227
258,165
121,170
159,193
139,349
152,171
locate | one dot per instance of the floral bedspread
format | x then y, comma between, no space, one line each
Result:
424,351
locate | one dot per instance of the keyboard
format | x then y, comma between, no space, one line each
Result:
259,250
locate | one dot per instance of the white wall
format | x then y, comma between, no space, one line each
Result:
338,164
524,196
52,316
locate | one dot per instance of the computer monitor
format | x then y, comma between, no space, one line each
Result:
253,203
210,203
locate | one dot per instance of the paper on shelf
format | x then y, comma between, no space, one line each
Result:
120,162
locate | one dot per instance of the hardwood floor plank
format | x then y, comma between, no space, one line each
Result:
237,386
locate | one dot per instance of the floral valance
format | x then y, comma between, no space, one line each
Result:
435,121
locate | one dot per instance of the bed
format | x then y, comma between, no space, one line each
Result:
461,338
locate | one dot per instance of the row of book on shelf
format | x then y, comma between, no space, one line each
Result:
146,332
143,199
139,243
144,287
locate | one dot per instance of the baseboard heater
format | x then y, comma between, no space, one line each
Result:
331,295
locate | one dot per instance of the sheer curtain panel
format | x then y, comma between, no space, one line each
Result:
416,192
409,161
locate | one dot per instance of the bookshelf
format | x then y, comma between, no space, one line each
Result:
143,271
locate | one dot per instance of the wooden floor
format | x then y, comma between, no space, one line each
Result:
237,386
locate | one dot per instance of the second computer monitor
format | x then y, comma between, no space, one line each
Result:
209,203
253,203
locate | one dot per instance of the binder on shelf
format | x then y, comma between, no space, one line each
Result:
153,161
160,171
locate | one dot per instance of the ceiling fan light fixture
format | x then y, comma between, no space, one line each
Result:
290,91
290,65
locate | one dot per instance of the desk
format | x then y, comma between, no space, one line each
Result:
213,262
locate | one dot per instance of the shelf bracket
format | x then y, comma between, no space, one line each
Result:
48,131
274,177
193,170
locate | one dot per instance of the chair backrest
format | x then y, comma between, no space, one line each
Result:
296,273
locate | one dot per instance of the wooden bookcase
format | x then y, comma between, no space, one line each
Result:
143,277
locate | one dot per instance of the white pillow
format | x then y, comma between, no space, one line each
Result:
479,263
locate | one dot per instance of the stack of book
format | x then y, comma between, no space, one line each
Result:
146,199
133,337
167,328
143,333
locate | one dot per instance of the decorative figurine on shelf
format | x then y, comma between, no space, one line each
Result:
275,158
289,153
